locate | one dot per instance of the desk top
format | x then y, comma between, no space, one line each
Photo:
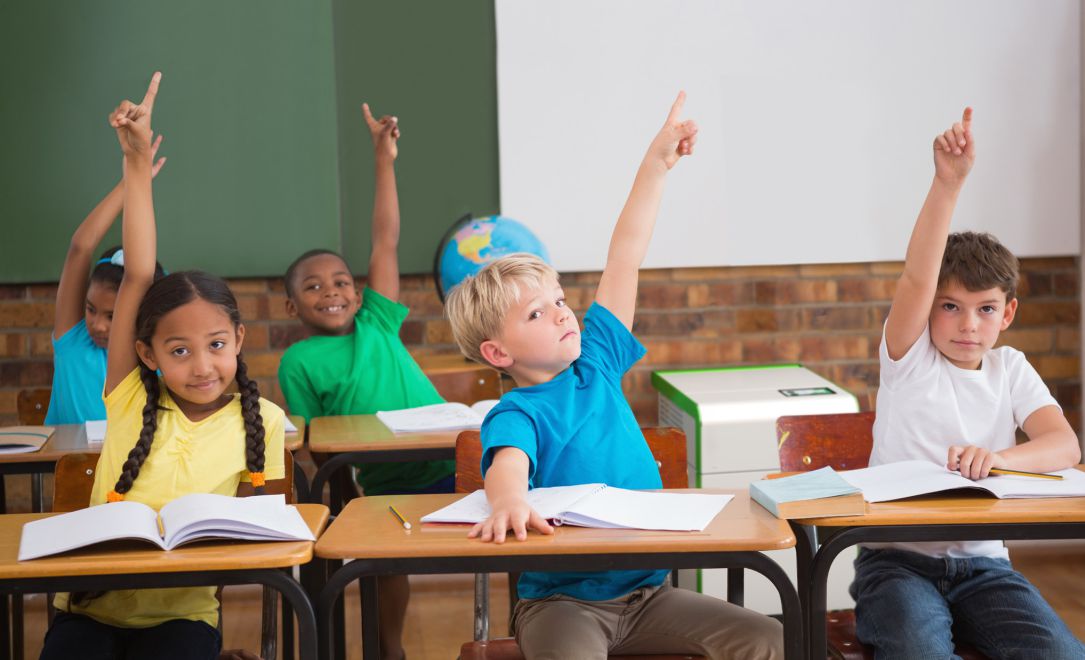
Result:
367,433
72,439
139,557
367,529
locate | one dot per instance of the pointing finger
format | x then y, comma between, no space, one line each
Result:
368,115
966,118
676,108
152,91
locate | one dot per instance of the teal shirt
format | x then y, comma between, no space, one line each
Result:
579,429
78,378
358,374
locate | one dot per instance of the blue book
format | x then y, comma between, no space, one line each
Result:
817,494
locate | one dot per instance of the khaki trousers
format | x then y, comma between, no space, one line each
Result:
645,621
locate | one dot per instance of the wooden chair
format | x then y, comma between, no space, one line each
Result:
668,446
74,481
842,442
32,406
467,386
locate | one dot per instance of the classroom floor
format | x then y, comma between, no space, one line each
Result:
439,615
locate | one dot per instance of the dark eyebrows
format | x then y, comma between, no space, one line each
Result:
216,333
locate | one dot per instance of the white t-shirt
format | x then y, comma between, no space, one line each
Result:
926,404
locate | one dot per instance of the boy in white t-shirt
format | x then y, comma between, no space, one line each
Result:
947,395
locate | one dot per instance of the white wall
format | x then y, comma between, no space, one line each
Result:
816,123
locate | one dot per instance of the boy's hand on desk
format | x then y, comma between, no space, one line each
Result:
955,151
384,133
515,515
973,462
133,124
675,139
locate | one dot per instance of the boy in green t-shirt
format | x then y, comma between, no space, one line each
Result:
354,363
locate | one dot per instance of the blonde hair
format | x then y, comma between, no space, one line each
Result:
477,306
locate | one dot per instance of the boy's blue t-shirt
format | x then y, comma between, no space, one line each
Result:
578,429
78,378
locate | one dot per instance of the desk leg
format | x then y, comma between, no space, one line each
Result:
805,546
5,628
794,648
301,484
370,618
736,586
17,651
299,602
287,624
37,503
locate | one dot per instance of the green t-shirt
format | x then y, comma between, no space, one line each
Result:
358,374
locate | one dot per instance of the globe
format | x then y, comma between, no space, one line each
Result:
472,243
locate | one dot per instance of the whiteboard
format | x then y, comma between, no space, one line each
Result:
816,118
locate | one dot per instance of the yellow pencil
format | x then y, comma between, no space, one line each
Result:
407,525
1021,473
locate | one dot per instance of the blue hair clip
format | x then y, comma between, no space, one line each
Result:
117,259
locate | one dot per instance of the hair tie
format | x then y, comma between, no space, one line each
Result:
257,479
114,496
116,259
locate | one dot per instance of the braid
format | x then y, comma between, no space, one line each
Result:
254,424
139,453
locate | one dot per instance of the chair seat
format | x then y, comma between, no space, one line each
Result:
507,649
843,643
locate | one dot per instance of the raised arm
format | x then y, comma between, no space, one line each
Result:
384,259
629,242
954,154
72,291
133,125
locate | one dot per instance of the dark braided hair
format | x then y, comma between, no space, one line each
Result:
164,296
111,275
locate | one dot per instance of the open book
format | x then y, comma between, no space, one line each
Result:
599,505
438,417
190,518
23,439
893,481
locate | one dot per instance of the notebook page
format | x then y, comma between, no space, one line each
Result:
633,509
438,417
548,502
1008,486
96,431
894,481
260,517
106,522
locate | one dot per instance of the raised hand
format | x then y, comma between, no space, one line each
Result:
676,138
955,151
384,133
133,123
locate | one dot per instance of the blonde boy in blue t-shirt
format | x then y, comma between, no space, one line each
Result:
569,423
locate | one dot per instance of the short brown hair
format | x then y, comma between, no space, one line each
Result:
477,306
977,261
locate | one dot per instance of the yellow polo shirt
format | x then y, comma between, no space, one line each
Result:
186,457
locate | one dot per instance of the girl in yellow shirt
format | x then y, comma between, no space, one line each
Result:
174,351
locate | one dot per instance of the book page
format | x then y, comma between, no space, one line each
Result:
23,439
634,509
106,522
438,417
894,481
96,431
484,407
547,502
256,518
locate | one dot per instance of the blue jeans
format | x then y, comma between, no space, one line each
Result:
78,636
911,606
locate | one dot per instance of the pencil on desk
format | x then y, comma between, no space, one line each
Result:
1021,473
407,525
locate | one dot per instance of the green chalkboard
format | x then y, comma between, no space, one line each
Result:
267,152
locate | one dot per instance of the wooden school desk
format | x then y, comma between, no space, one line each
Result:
369,535
134,565
365,439
939,517
72,439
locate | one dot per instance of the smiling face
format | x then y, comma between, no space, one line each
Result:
966,324
98,312
323,296
195,346
540,336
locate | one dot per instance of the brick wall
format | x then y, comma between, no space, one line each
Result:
828,317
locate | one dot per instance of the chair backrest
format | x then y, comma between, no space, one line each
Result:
840,441
32,406
74,480
668,446
467,386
